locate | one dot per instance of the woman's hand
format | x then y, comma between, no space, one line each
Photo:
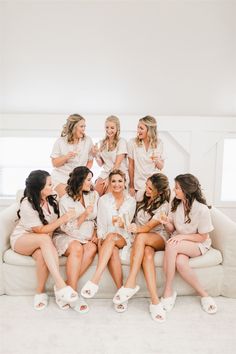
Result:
132,228
71,155
132,191
95,150
89,209
175,240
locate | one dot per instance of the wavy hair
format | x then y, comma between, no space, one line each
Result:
151,125
116,172
104,142
192,191
34,183
70,126
76,181
161,185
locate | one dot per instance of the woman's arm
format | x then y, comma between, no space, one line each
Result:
159,163
49,228
84,215
144,228
190,237
131,176
61,160
89,164
119,159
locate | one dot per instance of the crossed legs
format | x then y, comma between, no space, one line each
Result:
178,257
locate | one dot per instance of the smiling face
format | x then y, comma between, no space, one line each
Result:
150,191
178,191
111,129
87,183
47,189
142,131
79,129
117,183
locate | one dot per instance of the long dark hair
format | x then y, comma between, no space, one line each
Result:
161,184
76,181
34,183
192,190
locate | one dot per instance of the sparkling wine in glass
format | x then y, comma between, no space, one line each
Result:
153,155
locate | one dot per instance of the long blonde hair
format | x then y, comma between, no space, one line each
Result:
70,126
104,143
151,124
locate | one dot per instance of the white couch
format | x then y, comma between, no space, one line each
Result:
216,269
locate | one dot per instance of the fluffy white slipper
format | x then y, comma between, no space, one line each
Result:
40,301
157,312
80,306
124,294
62,304
89,289
169,302
66,295
121,307
208,304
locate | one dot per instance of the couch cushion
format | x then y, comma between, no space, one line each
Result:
13,258
211,258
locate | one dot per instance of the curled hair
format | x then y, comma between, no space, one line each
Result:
192,190
151,125
76,181
104,143
161,185
116,172
34,183
70,126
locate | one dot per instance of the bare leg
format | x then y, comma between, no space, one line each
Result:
74,255
90,250
188,248
105,253
115,268
187,273
41,271
142,240
149,271
28,243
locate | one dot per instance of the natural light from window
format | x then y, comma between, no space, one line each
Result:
228,189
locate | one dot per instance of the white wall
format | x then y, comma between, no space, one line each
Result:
163,57
172,59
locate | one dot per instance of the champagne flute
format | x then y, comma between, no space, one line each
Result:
162,216
153,155
127,223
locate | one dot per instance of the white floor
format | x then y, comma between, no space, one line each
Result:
188,330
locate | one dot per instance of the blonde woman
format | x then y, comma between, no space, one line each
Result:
111,154
145,153
111,233
72,149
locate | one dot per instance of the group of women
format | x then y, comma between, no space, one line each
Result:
127,213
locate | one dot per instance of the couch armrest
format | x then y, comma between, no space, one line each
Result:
224,236
8,218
